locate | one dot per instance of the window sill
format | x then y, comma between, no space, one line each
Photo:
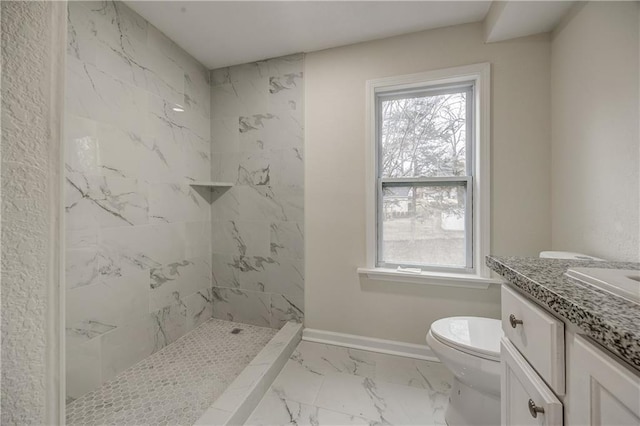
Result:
429,278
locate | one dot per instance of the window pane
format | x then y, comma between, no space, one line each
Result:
424,136
423,225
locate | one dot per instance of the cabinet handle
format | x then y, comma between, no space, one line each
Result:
514,321
534,409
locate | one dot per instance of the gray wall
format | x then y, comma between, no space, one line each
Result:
138,250
595,114
257,138
32,99
335,203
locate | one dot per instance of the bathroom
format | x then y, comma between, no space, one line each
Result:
194,218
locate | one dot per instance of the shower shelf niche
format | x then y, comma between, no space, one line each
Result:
211,185
210,190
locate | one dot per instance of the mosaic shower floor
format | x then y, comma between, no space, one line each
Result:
177,384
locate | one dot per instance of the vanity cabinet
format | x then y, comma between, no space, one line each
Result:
553,376
601,391
538,336
526,399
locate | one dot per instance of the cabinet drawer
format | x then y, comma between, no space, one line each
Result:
525,398
538,336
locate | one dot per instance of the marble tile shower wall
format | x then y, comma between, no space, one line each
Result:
257,140
138,248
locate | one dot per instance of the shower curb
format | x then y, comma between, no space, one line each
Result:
238,401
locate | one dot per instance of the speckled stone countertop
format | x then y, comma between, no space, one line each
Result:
608,319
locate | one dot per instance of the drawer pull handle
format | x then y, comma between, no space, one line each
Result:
534,409
514,321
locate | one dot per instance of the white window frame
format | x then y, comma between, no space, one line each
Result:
479,275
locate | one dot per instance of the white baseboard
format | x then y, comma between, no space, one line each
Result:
390,347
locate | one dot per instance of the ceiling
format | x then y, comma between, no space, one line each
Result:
512,19
224,33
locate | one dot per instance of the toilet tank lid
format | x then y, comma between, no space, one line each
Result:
472,334
566,255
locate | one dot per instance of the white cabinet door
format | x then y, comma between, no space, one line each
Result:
538,336
525,397
601,390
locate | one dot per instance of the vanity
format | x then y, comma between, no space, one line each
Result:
570,354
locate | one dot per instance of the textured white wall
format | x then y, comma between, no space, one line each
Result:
595,136
335,298
32,80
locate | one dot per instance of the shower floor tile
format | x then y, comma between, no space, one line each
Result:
177,384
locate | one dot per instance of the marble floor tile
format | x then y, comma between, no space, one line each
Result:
325,359
432,376
325,384
361,396
417,373
275,409
297,383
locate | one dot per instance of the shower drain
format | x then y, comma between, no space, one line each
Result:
236,331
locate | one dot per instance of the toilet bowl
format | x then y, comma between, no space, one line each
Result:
470,348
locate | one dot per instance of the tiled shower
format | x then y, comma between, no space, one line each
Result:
257,241
149,256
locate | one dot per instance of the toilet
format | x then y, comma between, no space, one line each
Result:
470,348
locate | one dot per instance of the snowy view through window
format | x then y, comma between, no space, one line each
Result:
423,136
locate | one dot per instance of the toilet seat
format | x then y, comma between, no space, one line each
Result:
474,335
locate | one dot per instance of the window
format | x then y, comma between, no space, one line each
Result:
428,173
424,141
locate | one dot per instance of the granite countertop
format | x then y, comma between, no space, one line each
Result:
609,320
